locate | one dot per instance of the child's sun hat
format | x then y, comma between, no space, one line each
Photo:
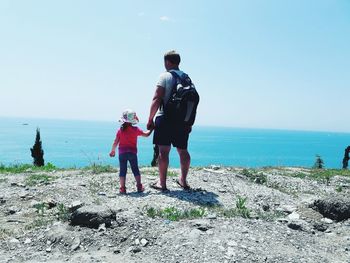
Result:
129,116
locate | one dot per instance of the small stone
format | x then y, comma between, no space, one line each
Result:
51,203
144,242
327,220
231,252
75,205
136,250
294,226
212,216
12,210
27,241
232,243
293,216
102,228
102,193
215,167
76,244
14,241
48,250
266,207
116,251
137,242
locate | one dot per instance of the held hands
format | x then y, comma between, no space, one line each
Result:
112,154
150,125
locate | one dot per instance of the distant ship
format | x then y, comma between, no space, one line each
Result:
25,124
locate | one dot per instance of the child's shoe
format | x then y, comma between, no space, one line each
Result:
140,188
122,190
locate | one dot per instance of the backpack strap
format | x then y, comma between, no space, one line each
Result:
173,89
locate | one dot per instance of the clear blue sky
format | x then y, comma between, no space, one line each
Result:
263,64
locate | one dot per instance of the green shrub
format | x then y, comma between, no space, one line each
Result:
35,179
175,214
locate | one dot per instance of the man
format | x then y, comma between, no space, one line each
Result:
166,131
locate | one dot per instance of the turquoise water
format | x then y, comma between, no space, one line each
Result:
81,143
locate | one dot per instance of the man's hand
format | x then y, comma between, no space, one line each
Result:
150,125
112,154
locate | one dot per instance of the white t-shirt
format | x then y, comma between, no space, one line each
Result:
166,80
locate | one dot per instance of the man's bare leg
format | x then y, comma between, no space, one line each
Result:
185,161
163,163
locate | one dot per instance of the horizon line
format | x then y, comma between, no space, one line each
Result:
197,125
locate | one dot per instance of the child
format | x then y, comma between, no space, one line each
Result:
127,139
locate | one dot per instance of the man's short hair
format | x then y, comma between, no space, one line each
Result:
173,57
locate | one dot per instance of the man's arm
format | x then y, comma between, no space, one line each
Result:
156,101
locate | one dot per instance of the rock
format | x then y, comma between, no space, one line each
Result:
266,207
137,242
232,243
327,220
12,210
102,193
293,216
215,167
102,228
336,208
50,203
48,250
75,205
2,200
27,241
18,184
202,225
76,244
144,242
92,216
295,225
211,216
116,251
135,250
289,209
320,227
231,252
14,241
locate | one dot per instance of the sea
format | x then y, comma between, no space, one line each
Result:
75,144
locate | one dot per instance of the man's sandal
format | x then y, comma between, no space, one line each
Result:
157,187
185,186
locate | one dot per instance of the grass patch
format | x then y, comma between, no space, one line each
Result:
39,222
3,180
41,208
339,189
173,174
62,212
99,168
36,179
324,175
254,176
22,168
175,214
270,216
5,233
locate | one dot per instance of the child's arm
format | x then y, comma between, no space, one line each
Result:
114,146
146,133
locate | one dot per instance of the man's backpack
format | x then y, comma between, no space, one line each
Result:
181,107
